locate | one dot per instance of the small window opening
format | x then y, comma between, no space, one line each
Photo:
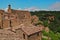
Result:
37,34
24,36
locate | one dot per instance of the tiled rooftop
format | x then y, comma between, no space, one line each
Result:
31,29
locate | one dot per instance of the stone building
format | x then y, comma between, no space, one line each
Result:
20,24
30,32
21,32
12,17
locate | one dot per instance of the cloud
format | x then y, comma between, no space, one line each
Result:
19,9
5,9
55,6
32,9
29,9
15,9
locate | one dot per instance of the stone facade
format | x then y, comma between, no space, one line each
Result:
13,17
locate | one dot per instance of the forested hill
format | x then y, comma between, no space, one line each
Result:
54,24
39,13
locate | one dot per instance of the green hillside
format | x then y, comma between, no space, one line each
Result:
54,25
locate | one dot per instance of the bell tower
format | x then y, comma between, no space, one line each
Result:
9,8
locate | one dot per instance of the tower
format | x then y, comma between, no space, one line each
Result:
9,8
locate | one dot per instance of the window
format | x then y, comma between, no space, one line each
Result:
37,34
24,36
1,13
10,24
0,26
16,17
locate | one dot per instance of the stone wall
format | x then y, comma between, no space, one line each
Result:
0,20
34,37
16,18
9,35
6,23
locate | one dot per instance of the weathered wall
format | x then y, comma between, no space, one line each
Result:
6,23
9,35
33,37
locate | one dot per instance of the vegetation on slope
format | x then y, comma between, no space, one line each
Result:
54,25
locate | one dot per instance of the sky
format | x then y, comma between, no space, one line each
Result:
31,4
